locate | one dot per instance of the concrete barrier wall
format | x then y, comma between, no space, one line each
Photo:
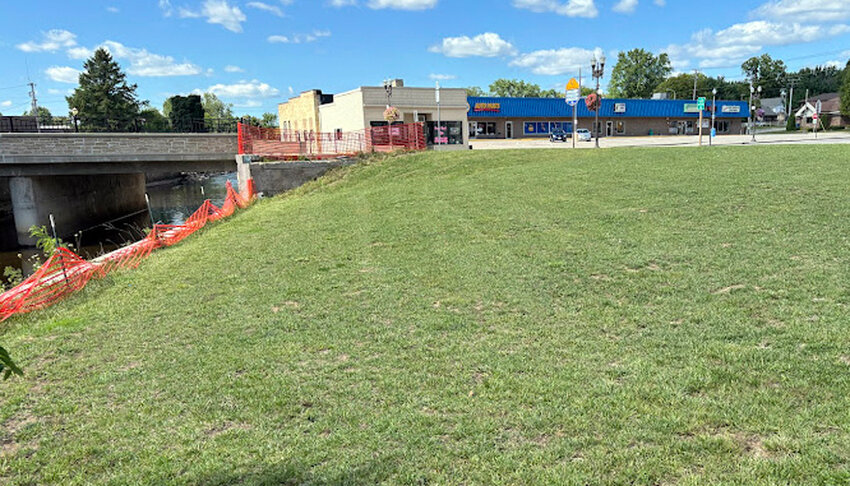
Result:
272,178
82,144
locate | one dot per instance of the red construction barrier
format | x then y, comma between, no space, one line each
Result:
291,145
65,272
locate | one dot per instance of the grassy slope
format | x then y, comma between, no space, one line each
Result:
664,316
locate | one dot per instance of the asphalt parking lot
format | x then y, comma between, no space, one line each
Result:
668,141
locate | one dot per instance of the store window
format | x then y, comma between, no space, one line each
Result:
620,127
451,133
722,126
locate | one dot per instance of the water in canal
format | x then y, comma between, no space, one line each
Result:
172,202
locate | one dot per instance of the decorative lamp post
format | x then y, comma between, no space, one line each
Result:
391,113
598,70
74,113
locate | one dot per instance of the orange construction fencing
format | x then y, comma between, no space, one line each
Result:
66,272
281,144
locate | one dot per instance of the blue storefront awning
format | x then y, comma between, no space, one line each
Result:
497,107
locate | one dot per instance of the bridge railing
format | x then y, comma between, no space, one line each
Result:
29,124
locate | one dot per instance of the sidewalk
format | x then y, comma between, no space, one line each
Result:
669,141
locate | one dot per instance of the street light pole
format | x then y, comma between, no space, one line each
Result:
750,122
598,69
712,131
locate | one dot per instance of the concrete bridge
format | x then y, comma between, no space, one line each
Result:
87,178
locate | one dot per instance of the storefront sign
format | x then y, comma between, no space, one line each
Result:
491,107
731,109
619,107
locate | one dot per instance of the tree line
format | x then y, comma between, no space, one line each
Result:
639,74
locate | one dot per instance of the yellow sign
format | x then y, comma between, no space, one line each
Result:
573,84
494,107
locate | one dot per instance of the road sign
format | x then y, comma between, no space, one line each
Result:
701,104
815,116
573,92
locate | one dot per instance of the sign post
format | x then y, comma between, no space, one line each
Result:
816,116
439,117
701,108
573,95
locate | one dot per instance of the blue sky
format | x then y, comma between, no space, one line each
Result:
255,54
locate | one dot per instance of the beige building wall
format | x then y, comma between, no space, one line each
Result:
345,113
301,113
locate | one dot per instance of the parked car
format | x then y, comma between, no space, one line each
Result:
558,134
583,134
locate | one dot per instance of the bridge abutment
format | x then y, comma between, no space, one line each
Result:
76,202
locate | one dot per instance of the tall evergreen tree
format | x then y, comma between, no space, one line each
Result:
845,91
104,99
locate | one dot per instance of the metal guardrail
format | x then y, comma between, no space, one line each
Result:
29,124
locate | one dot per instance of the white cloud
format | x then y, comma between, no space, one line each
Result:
732,45
660,3
218,12
165,6
51,41
273,9
244,89
487,44
442,77
79,52
63,74
555,62
112,9
805,10
6,104
148,64
392,4
626,6
233,69
299,38
403,4
572,8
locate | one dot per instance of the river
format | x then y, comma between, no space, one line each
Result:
172,202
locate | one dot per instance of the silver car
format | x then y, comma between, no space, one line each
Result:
583,134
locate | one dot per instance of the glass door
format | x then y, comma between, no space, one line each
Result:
509,129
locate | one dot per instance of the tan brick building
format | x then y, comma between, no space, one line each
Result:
363,108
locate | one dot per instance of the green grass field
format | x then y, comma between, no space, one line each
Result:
640,316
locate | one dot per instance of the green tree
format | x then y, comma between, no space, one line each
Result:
475,91
637,73
766,72
552,93
153,120
187,113
44,115
104,99
514,88
791,123
215,108
845,91
269,120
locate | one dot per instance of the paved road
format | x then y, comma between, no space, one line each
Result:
668,141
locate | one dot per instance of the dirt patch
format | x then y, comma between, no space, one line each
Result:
729,289
225,427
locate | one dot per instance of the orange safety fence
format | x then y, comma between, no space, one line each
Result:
66,272
294,144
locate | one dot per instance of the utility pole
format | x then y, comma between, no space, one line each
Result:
696,76
34,106
790,108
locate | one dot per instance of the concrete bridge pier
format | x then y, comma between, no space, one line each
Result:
76,202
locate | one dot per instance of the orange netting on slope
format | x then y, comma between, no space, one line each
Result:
294,144
66,272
